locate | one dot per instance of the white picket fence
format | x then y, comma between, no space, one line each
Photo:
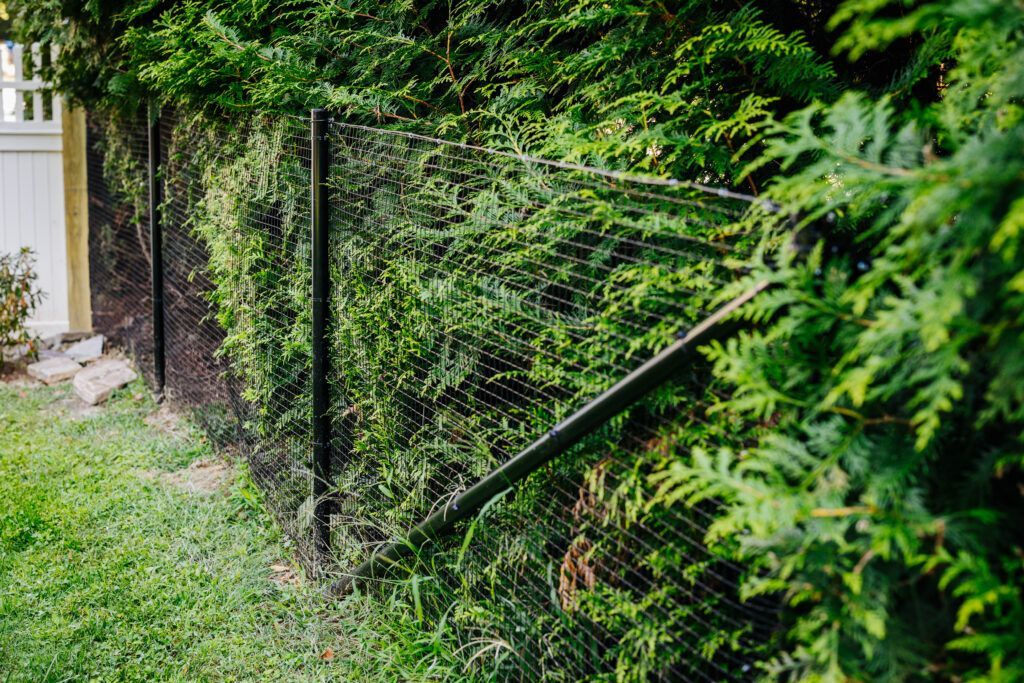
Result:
32,178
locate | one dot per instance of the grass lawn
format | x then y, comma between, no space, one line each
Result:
110,572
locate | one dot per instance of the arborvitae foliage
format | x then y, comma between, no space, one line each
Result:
865,462
886,499
595,81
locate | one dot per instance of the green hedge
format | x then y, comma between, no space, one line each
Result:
875,483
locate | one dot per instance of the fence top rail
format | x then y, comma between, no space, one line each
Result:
619,176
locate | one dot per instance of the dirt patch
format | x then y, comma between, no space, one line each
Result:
13,373
204,477
73,408
283,575
165,420
21,380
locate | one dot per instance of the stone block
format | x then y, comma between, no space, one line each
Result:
97,382
13,354
51,342
53,370
86,350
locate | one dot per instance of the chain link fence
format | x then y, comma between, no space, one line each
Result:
478,298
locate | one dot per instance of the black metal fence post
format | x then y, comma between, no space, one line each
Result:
320,164
156,251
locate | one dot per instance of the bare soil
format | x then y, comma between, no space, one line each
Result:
204,477
73,408
283,574
165,420
14,374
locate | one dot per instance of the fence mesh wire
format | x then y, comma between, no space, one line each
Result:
119,237
478,298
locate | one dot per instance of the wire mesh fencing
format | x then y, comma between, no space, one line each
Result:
120,258
477,299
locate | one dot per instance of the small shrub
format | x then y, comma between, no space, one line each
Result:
19,297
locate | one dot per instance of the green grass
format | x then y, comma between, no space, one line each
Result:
107,575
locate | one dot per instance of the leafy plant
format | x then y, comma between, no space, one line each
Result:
884,500
856,449
19,297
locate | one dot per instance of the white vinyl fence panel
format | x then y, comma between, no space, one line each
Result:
32,179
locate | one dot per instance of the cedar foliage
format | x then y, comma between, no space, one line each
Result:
876,485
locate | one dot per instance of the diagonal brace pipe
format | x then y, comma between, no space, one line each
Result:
561,438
